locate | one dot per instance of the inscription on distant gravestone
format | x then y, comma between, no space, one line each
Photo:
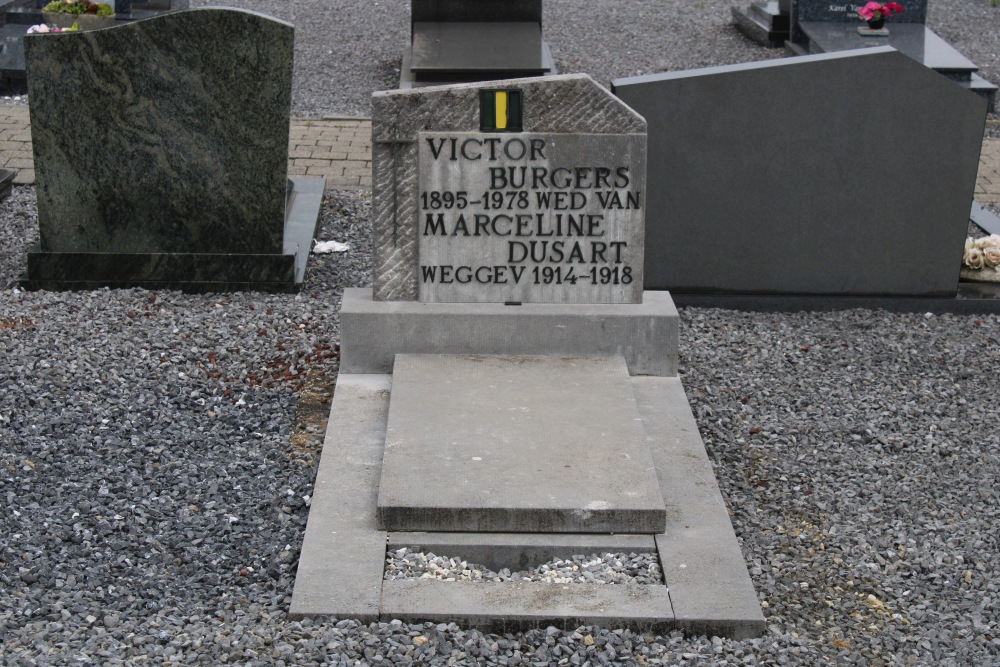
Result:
530,217
914,11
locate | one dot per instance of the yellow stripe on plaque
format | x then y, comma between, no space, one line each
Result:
501,109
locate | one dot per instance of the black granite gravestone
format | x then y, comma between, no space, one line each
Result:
161,151
474,40
821,26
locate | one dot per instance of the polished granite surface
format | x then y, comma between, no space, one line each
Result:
168,135
912,39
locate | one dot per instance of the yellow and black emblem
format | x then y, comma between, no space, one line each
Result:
500,110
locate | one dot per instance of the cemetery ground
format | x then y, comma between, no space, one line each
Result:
157,454
159,450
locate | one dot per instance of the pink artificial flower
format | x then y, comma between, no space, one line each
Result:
894,7
870,10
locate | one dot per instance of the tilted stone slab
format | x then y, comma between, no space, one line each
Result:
808,179
572,104
168,135
484,443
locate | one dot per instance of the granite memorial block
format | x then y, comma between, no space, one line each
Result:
459,40
550,213
161,151
867,194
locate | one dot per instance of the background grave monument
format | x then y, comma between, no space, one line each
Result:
819,26
501,393
161,153
868,192
16,16
459,40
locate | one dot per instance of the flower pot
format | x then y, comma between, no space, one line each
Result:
877,24
83,21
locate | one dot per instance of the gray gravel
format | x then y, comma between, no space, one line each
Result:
152,506
347,48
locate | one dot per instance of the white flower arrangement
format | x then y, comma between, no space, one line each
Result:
981,260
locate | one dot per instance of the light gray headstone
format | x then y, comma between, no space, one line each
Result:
168,135
569,188
842,173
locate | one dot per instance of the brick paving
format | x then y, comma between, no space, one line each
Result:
341,150
338,148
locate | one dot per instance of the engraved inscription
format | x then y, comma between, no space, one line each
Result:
530,217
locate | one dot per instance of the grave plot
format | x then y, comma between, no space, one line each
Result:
508,393
161,155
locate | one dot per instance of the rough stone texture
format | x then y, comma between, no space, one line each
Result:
571,236
164,135
875,201
373,332
482,443
558,104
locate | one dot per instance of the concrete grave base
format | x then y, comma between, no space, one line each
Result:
192,272
373,332
707,589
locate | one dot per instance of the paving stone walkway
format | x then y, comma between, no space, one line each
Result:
341,150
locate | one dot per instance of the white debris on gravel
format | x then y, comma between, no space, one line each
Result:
606,568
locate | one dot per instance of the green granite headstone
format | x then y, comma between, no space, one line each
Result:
163,137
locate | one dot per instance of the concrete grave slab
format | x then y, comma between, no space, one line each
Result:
482,443
712,594
343,554
866,193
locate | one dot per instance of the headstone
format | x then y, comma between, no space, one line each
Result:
820,26
867,193
507,384
474,40
16,16
161,151
914,11
551,213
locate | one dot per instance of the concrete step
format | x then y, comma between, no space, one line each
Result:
532,444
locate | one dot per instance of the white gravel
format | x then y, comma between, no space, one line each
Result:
605,568
152,508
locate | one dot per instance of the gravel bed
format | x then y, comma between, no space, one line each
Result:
608,568
153,506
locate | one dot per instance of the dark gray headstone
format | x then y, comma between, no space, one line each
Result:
800,176
473,11
162,137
